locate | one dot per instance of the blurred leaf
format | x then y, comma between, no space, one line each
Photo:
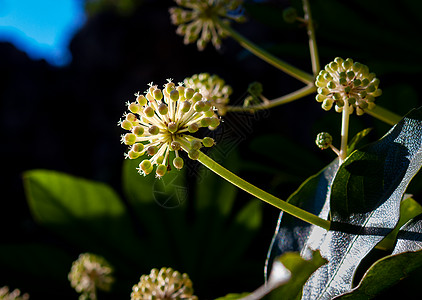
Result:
365,204
232,296
89,214
356,139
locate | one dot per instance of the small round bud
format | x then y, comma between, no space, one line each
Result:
169,87
195,145
193,127
196,97
163,109
208,142
134,108
199,106
327,104
320,97
125,124
189,92
175,146
131,117
151,150
149,111
158,95
154,130
129,139
350,74
324,140
174,95
205,122
138,130
160,160
215,122
145,165
172,127
178,162
185,106
138,147
141,100
193,154
290,15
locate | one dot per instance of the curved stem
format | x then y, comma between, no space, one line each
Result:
264,55
309,89
384,115
260,194
312,40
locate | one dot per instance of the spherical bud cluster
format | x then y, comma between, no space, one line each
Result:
213,88
160,123
89,273
324,140
163,284
196,20
344,82
5,294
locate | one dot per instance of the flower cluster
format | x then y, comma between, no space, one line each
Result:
197,19
213,88
5,294
160,123
323,140
347,82
163,284
89,273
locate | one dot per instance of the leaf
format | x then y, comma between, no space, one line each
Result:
365,204
356,139
392,269
86,213
289,272
233,296
292,234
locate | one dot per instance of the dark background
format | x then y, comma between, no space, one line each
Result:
65,119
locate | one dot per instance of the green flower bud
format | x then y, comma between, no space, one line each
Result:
178,163
196,97
195,145
189,92
138,130
163,109
130,117
205,122
185,106
174,95
193,154
327,104
290,15
172,127
175,146
169,87
158,95
138,147
133,154
149,111
145,165
215,122
141,100
154,130
208,142
151,150
192,128
199,106
323,140
125,124
129,139
134,108
320,97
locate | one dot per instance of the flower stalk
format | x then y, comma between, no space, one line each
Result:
262,195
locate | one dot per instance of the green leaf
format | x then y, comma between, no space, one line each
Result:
356,139
392,269
233,296
365,204
291,233
86,213
300,270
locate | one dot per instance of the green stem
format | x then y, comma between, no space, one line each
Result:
264,55
260,194
344,132
312,40
384,115
309,89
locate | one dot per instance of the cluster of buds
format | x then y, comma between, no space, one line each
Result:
160,123
197,19
213,88
324,140
344,82
89,273
163,284
5,294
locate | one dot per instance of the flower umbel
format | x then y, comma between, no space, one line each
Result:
160,123
197,21
324,140
5,294
163,284
345,81
213,88
89,273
